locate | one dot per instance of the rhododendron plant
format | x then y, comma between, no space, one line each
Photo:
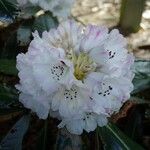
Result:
79,75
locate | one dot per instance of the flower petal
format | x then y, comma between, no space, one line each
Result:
37,104
93,37
70,101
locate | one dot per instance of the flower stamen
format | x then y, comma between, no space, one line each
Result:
83,64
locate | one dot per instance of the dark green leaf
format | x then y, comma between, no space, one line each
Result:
44,22
8,114
13,140
6,100
8,95
8,67
9,104
42,137
5,19
10,91
8,8
141,80
29,11
23,36
9,50
114,139
24,32
66,140
134,126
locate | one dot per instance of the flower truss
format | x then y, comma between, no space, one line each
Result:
79,75
59,8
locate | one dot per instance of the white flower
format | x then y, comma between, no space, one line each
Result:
59,8
31,95
81,76
72,101
88,122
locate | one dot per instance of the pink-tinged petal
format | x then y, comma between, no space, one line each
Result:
93,36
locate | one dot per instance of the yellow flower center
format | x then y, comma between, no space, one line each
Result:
83,64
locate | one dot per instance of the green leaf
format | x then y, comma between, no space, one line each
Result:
66,140
8,114
44,22
42,137
8,98
24,32
6,101
133,127
23,36
13,140
29,11
5,20
115,139
8,94
9,104
9,50
141,80
8,8
8,67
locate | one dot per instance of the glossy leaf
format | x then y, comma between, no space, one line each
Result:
24,35
113,138
8,67
7,101
24,32
42,137
134,126
66,140
8,8
44,22
29,11
8,96
13,140
142,75
5,19
9,104
8,114
9,50
9,91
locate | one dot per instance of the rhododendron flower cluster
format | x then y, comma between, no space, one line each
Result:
79,75
59,8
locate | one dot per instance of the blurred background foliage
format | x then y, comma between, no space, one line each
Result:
127,130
